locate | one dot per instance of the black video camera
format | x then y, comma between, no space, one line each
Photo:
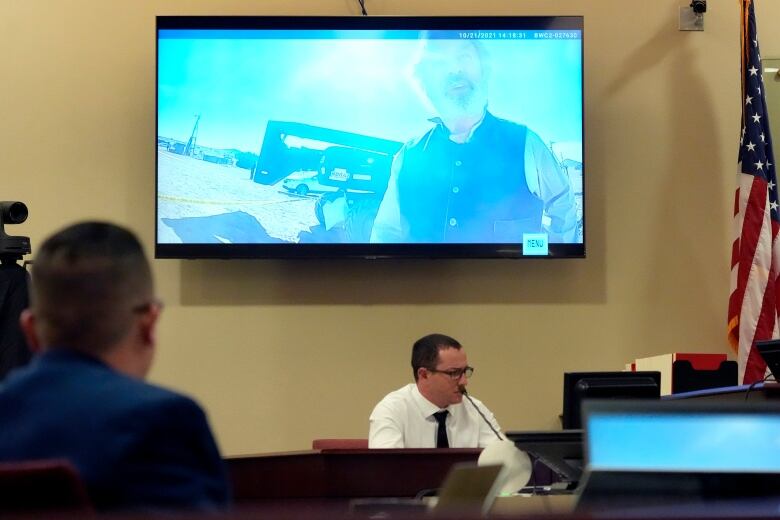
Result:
13,248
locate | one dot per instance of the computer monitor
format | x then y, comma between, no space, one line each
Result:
561,451
579,386
677,455
770,351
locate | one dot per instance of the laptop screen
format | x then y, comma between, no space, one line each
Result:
682,437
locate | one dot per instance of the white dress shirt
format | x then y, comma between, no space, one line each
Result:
404,419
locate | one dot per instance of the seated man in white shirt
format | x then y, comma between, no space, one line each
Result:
430,412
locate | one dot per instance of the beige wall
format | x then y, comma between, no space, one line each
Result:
282,352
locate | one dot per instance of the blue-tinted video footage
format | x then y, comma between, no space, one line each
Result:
369,136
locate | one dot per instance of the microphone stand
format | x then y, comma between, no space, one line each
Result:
467,396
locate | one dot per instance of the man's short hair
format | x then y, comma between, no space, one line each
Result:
87,282
418,65
425,351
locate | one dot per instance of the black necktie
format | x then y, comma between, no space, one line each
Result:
441,432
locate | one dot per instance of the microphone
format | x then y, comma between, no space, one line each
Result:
467,396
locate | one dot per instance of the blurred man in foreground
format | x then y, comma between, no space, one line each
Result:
92,324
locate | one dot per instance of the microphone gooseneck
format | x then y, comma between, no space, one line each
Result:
467,396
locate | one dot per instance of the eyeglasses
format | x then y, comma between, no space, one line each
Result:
455,373
147,306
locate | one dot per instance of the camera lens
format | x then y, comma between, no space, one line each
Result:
13,212
699,6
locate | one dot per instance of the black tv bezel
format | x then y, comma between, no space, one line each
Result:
363,250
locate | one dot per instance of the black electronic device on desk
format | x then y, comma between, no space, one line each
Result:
686,378
561,451
680,458
770,351
579,386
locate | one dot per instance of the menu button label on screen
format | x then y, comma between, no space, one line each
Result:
535,244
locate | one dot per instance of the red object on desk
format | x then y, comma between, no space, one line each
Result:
339,444
701,361
705,370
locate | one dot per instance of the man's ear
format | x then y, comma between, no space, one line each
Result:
422,373
27,322
148,326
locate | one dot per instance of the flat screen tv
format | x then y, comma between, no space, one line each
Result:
372,137
581,386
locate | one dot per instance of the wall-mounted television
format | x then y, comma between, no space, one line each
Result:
373,137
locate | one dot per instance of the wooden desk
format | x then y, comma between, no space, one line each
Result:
342,474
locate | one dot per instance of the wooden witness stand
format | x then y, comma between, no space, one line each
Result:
341,474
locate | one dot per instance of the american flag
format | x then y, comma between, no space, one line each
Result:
754,304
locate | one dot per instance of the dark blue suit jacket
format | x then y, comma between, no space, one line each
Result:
135,445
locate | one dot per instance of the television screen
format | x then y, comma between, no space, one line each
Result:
580,386
287,137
